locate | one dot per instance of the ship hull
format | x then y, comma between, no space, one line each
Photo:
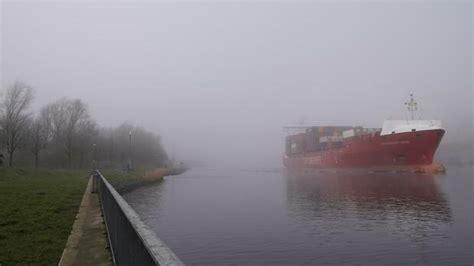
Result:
401,151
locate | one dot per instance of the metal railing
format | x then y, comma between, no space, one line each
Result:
131,241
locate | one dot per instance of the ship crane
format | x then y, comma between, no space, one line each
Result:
412,106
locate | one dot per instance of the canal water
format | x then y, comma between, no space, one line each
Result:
219,217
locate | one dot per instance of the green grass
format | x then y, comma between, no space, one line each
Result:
37,210
115,176
124,181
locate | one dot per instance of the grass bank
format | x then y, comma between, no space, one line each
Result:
37,210
124,181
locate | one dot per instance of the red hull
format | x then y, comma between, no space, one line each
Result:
401,150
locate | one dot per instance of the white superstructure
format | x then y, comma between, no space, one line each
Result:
402,126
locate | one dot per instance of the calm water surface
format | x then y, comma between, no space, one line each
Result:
271,217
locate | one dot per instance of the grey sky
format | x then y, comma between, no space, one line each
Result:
218,80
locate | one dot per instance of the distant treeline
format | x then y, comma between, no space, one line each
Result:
63,135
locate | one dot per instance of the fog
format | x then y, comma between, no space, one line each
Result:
219,80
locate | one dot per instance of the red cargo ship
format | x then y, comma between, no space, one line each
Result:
400,145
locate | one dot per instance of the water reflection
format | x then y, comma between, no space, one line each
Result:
221,217
401,198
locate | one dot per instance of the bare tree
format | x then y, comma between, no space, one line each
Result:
145,147
63,134
86,133
66,117
77,115
14,117
38,136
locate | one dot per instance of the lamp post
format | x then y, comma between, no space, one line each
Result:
94,162
129,165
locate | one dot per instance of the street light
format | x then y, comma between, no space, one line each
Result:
94,164
129,166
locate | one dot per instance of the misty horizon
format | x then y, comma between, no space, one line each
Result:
219,80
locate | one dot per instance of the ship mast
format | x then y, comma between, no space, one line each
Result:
412,106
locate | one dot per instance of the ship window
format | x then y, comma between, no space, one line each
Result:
393,132
413,129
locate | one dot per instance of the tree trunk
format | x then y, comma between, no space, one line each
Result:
10,159
69,152
81,160
36,159
69,160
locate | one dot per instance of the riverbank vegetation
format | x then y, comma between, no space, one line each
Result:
62,134
47,156
124,181
38,208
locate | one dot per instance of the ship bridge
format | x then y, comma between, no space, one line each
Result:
402,126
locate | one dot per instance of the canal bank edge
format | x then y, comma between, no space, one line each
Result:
124,183
131,241
87,243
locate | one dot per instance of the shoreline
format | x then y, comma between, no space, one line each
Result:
125,182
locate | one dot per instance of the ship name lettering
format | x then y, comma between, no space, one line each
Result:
396,142
312,160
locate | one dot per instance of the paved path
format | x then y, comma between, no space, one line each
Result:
87,243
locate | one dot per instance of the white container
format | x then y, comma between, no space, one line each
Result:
348,133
